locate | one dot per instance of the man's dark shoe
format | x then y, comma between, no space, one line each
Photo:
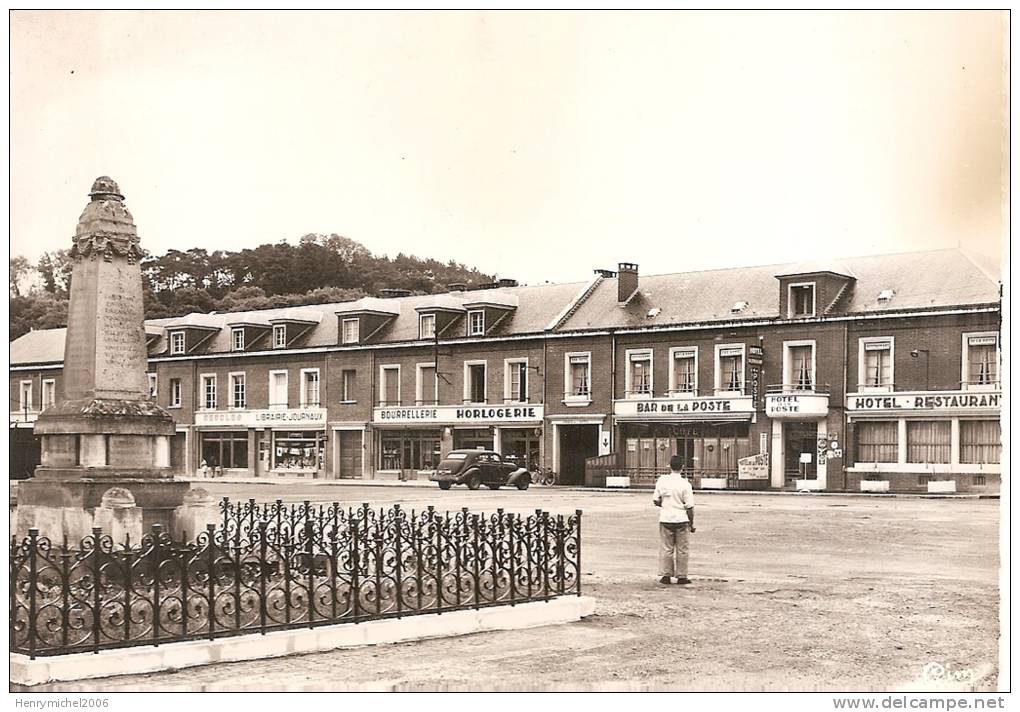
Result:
664,579
683,581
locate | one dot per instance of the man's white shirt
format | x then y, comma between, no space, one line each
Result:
676,495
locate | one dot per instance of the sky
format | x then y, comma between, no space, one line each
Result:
535,146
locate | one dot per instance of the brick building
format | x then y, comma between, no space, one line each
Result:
865,373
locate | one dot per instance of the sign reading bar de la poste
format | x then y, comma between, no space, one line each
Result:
923,401
665,407
494,415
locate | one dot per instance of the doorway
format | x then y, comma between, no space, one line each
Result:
576,444
800,439
349,457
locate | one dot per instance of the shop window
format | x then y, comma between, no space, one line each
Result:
237,339
25,399
228,450
49,392
278,389
349,331
310,388
175,393
237,394
875,366
475,382
176,342
279,336
476,323
389,385
980,441
300,451
981,360
802,300
928,441
347,385
878,441
152,385
427,326
209,392
516,384
410,451
578,377
730,368
685,371
639,373
427,385
800,367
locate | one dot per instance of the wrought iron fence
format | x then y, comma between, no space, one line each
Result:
277,566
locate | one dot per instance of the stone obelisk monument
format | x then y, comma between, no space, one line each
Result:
104,435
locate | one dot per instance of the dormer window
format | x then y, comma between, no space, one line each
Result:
349,328
427,326
279,336
476,323
802,300
237,339
176,342
738,307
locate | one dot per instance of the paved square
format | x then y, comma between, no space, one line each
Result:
791,592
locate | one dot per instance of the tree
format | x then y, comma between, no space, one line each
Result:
55,269
21,270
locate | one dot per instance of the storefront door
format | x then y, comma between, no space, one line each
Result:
800,438
349,460
576,444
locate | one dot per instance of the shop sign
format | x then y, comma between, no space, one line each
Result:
763,443
755,467
982,340
289,418
664,407
755,383
823,449
923,401
755,355
459,414
796,404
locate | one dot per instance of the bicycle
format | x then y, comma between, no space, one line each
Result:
544,476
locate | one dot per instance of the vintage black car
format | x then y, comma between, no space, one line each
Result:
475,468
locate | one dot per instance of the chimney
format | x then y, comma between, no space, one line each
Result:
626,282
392,292
508,283
607,273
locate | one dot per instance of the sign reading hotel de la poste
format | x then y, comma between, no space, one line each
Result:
490,415
880,402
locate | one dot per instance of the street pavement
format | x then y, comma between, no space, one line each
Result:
794,592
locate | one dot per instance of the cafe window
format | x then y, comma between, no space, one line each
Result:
729,368
175,393
228,450
152,385
237,339
639,373
981,360
684,373
875,363
310,387
347,385
349,331
578,376
980,441
176,342
516,380
427,326
209,392
476,322
237,395
300,451
389,385
49,392
802,300
878,441
928,441
800,366
425,388
474,381
279,336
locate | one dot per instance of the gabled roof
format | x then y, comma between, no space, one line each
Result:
43,346
836,267
371,305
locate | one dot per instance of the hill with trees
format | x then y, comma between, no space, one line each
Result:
320,269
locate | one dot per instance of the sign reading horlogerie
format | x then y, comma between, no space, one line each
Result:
459,414
924,401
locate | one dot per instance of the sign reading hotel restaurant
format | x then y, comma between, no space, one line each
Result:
881,403
653,407
494,414
755,467
290,418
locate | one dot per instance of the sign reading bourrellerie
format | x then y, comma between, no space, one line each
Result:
924,401
525,413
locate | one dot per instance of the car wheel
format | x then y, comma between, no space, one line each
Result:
475,481
445,485
523,484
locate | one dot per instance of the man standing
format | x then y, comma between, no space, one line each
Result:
675,496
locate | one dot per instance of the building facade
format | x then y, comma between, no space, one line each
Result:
868,374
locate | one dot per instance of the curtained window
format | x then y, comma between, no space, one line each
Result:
683,372
877,364
579,383
928,441
878,441
983,363
980,441
801,368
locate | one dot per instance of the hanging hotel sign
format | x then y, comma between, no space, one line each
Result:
755,355
289,418
525,413
881,403
692,408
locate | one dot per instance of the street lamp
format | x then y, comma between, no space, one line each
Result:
914,354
